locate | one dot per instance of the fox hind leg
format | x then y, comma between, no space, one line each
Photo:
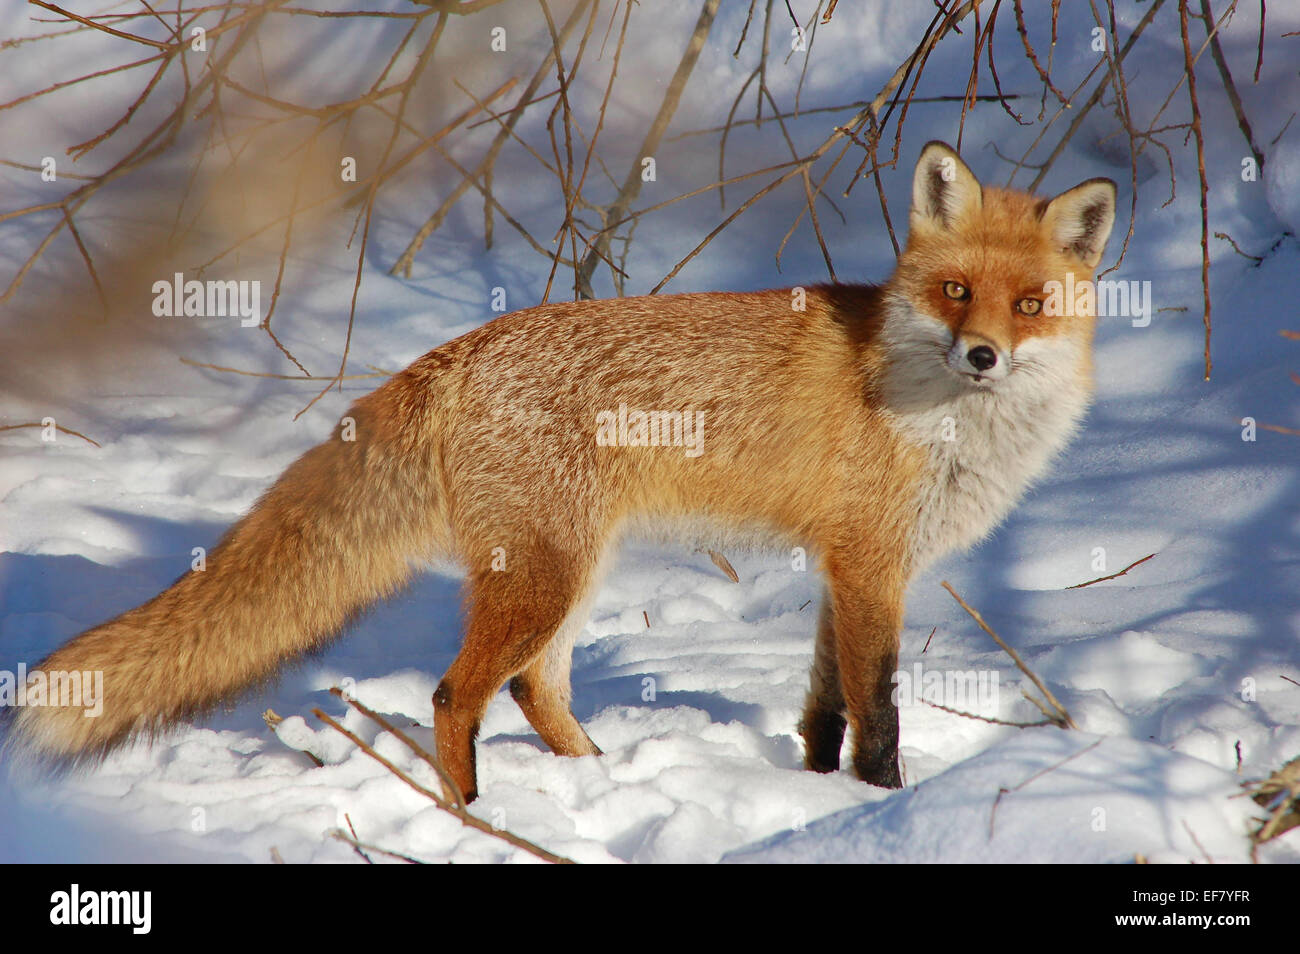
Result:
823,723
514,615
544,692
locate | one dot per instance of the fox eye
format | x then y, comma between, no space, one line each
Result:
1029,306
956,291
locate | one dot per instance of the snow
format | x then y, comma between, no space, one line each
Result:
1049,797
1177,673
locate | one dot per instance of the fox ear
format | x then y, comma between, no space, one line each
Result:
944,190
1080,220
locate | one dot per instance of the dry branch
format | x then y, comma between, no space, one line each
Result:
456,808
989,719
1102,579
1229,87
1189,68
1096,93
403,264
840,133
1037,775
361,848
100,26
1058,715
631,188
57,427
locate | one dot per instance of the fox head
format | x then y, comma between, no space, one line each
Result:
971,294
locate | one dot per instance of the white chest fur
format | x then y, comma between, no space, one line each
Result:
984,445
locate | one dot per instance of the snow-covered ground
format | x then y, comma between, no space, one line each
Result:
1181,675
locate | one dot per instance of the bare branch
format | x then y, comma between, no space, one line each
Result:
1102,579
1060,717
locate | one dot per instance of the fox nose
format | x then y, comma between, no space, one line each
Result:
982,357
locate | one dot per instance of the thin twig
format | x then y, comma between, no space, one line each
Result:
1279,429
990,719
1229,87
340,835
649,144
356,839
57,427
453,790
99,26
1236,248
1102,579
1259,55
1097,93
1037,775
1196,841
282,377
466,819
838,135
1061,717
1189,68
403,264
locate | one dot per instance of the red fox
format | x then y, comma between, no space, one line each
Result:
877,426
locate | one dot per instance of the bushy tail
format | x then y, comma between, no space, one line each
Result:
334,533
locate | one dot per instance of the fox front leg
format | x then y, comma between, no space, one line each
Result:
866,619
